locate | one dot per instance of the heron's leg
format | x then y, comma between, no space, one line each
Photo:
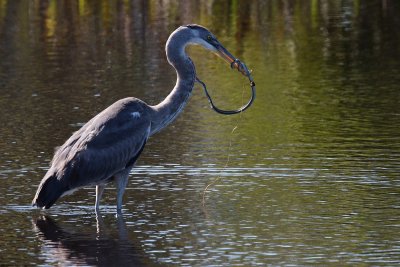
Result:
99,224
99,193
121,181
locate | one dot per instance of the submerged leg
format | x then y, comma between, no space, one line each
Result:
121,180
99,193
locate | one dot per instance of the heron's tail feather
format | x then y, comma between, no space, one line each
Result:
49,190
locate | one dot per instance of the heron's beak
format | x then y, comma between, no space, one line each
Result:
234,62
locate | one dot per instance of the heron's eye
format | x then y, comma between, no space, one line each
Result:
209,38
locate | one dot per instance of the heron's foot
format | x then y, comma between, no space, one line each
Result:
119,213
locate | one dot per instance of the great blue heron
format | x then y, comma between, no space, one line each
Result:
106,148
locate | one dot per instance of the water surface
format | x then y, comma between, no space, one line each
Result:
309,176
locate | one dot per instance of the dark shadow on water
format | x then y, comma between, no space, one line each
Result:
71,244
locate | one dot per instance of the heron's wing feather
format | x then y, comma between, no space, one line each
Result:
107,144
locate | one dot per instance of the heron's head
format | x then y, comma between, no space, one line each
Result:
202,36
199,35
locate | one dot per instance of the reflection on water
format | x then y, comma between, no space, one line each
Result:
313,174
78,247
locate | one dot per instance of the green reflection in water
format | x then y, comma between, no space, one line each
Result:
314,165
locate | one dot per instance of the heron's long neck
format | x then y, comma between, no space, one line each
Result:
173,104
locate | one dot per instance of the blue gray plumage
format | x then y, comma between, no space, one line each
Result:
106,148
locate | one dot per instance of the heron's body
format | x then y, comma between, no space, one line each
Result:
103,150
106,148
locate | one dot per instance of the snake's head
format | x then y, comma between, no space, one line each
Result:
241,67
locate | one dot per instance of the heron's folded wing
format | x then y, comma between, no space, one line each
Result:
107,144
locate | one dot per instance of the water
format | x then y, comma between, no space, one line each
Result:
309,176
